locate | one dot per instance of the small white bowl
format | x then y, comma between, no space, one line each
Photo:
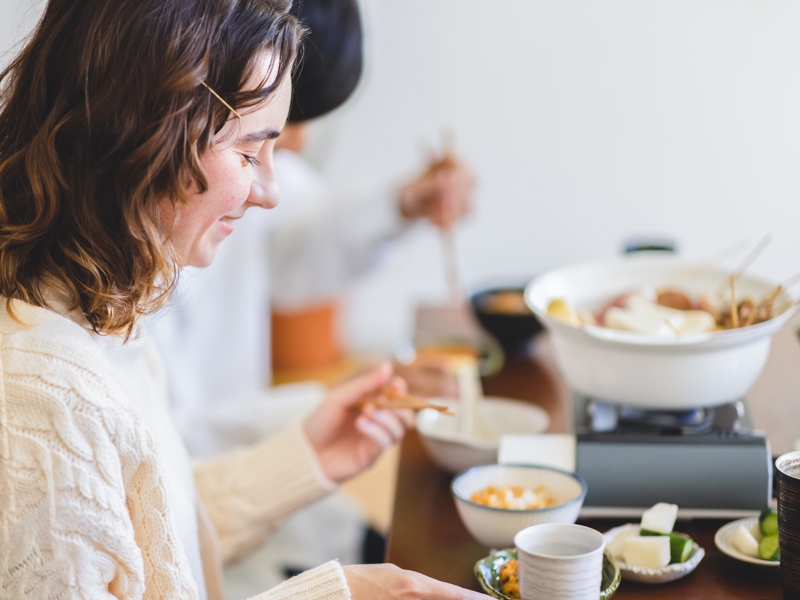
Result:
454,451
645,575
724,541
496,527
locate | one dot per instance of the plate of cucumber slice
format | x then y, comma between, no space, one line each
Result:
684,555
751,540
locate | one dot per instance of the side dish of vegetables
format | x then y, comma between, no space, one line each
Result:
761,540
654,545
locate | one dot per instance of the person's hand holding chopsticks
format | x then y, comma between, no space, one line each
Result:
349,430
442,193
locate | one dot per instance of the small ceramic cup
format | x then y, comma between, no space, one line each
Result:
560,561
788,467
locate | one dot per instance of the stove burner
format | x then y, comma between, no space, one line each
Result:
600,416
698,420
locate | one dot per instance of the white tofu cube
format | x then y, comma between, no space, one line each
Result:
744,542
616,546
651,552
660,518
755,530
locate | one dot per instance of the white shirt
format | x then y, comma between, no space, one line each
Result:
214,340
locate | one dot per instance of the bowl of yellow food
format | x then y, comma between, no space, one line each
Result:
496,501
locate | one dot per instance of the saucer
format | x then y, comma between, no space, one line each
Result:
486,570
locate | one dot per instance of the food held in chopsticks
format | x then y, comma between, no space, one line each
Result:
391,400
514,497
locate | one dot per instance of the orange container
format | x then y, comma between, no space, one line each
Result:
307,338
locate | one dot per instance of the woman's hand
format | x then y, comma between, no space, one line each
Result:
442,193
388,582
429,377
348,439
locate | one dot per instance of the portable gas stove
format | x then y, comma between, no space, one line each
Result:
708,461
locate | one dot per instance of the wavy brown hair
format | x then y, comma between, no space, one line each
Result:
103,114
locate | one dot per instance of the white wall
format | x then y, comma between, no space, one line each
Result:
17,18
586,122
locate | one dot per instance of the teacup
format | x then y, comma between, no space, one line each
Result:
560,561
788,468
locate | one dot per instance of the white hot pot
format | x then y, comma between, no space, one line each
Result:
648,372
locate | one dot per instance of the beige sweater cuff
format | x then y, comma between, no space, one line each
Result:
326,582
248,492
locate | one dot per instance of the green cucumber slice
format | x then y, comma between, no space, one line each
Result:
768,547
680,546
768,521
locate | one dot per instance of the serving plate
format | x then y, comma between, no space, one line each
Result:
645,575
724,541
487,572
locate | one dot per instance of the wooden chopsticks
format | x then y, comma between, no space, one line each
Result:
392,400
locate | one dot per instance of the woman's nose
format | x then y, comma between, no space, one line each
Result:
264,190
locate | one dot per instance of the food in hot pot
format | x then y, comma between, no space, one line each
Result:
669,312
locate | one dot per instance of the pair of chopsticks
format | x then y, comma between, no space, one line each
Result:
440,161
391,400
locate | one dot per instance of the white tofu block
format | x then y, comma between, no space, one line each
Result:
660,518
651,552
755,530
744,542
616,547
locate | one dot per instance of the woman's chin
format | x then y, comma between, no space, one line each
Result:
202,257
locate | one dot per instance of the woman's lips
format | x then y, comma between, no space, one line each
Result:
226,225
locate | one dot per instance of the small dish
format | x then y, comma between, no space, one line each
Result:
724,541
486,571
454,451
668,573
503,313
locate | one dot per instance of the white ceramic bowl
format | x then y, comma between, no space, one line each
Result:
650,372
644,575
455,452
496,527
723,540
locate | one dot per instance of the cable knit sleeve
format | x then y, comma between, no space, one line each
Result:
248,492
326,582
82,508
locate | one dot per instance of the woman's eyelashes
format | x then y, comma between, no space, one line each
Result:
249,160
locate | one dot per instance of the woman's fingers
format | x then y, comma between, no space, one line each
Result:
384,427
408,418
391,422
387,582
356,389
374,431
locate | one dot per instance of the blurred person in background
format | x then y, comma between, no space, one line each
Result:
215,338
133,135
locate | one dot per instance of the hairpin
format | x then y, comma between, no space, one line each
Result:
228,106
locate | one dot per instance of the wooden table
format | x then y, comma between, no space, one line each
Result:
427,534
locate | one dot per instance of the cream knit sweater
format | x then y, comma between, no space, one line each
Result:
85,507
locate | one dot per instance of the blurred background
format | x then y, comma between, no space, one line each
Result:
586,124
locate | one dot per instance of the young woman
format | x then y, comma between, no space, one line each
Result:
133,134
